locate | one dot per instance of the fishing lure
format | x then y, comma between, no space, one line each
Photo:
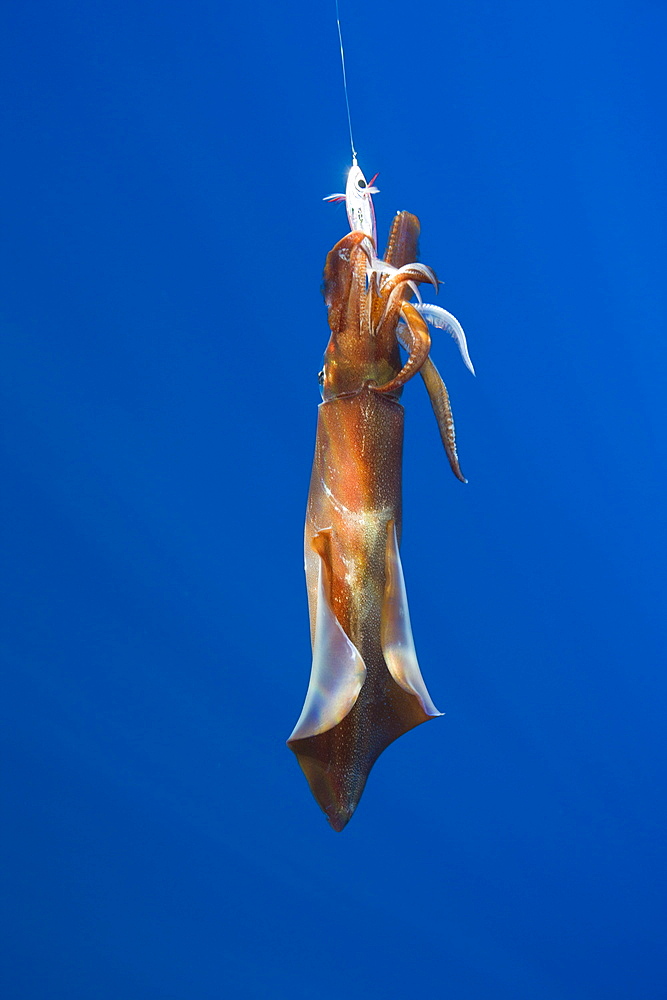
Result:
366,688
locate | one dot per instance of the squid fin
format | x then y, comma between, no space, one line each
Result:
398,646
350,716
337,676
338,671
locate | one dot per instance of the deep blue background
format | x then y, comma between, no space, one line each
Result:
163,238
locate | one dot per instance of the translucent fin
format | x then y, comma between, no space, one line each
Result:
338,671
444,320
398,646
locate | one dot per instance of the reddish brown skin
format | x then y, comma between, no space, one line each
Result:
355,492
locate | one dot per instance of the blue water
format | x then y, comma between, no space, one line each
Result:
162,329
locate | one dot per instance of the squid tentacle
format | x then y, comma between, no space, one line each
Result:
414,272
443,320
442,408
417,343
384,270
342,274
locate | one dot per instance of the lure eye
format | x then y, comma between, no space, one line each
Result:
361,183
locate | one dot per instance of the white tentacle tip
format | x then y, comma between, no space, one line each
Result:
443,320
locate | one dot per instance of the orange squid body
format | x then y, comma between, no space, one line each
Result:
366,688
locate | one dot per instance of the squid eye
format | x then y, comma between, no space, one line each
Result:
320,377
361,183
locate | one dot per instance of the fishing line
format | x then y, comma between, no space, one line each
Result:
347,102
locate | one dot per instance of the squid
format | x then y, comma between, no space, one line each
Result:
366,688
